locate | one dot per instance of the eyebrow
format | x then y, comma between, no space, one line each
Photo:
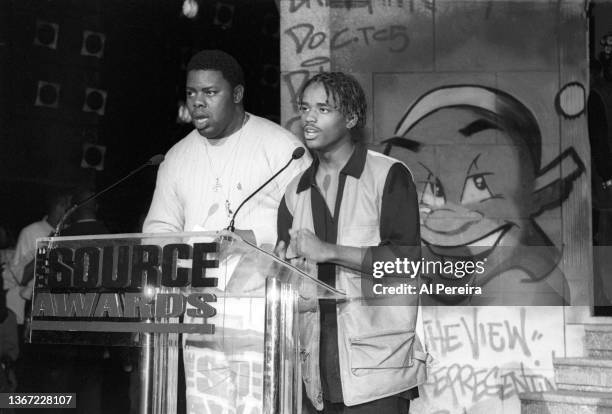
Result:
477,126
319,104
195,87
403,142
474,163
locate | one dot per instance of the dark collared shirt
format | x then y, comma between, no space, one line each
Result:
399,225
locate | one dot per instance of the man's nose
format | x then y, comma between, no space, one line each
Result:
199,101
310,117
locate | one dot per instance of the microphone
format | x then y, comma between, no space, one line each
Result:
154,160
296,155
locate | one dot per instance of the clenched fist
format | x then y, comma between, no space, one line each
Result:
306,244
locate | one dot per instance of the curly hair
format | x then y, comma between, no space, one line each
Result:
348,96
218,60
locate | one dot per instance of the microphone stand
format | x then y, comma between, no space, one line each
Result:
295,156
155,160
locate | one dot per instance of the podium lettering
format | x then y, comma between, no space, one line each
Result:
202,309
201,263
172,275
43,305
60,273
86,268
116,267
74,304
137,306
169,305
109,305
145,266
123,282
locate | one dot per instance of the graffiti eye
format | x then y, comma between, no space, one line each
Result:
480,183
433,193
475,189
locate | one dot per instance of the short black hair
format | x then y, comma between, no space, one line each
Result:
218,60
80,194
56,196
346,92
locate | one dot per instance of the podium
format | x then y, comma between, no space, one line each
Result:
231,305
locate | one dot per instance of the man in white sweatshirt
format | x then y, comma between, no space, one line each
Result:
200,184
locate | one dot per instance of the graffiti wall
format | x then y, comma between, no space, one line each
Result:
484,101
486,357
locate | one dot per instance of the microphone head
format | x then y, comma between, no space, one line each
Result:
156,159
298,153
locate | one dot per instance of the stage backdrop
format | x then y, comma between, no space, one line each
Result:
484,101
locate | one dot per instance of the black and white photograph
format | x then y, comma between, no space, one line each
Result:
306,206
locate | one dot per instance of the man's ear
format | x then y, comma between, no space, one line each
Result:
351,121
238,93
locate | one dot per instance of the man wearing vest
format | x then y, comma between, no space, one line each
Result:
351,205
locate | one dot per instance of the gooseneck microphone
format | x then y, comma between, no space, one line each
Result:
296,155
154,160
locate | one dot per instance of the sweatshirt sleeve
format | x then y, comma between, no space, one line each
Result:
166,212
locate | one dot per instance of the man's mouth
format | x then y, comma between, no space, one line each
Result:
311,132
200,121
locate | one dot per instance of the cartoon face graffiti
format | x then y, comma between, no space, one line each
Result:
475,153
475,208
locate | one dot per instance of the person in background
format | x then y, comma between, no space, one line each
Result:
82,368
17,281
84,220
17,277
9,343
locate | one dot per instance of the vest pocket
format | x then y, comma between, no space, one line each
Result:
390,349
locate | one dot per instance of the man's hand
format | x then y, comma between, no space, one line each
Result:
229,247
281,250
307,301
306,244
247,235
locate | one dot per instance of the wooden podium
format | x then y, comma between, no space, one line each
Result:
232,306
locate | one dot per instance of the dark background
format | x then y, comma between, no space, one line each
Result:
141,69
